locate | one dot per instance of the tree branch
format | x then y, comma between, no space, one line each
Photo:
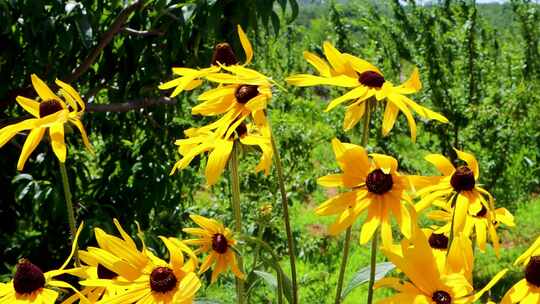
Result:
131,31
131,105
105,40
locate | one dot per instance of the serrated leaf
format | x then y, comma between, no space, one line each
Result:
362,276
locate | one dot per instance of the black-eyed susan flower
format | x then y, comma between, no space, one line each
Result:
223,56
366,81
220,147
373,185
482,223
426,283
145,277
527,290
31,285
216,240
458,188
50,113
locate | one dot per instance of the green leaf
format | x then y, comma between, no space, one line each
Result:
269,278
206,301
85,30
275,22
362,276
294,9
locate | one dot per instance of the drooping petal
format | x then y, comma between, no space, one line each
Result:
32,141
471,162
217,160
371,224
412,85
410,119
58,143
84,136
353,114
389,118
319,64
353,94
246,45
306,80
71,91
42,89
442,163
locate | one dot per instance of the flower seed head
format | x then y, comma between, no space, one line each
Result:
532,271
379,182
462,179
48,107
28,278
438,241
371,79
441,297
245,92
162,279
219,243
224,54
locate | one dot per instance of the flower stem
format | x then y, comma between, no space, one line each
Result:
285,206
235,204
70,211
347,243
372,266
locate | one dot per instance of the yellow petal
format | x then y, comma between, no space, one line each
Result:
412,85
32,141
471,162
460,212
423,111
56,132
42,89
319,64
8,132
386,163
389,118
331,181
516,293
353,114
71,91
441,163
334,57
371,224
410,119
360,65
304,80
217,161
353,94
246,45
84,136
30,105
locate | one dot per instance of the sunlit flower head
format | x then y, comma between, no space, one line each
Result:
481,224
219,148
527,290
223,56
458,188
216,240
50,113
426,283
373,185
366,81
144,277
31,285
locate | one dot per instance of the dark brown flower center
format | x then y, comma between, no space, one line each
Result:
105,273
371,79
441,297
482,212
462,179
162,279
532,271
224,54
379,182
438,241
219,243
48,107
28,278
245,92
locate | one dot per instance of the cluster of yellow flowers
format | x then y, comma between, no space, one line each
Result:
437,260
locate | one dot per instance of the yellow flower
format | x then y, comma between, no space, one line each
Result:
346,70
223,56
458,187
215,239
481,223
426,283
220,147
145,277
31,285
50,113
527,290
375,186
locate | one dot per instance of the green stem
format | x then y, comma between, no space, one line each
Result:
70,210
285,206
235,204
347,243
343,266
372,266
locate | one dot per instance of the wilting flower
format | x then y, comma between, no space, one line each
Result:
345,70
31,285
220,147
482,223
426,283
373,185
458,187
51,113
223,56
145,277
527,290
216,240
